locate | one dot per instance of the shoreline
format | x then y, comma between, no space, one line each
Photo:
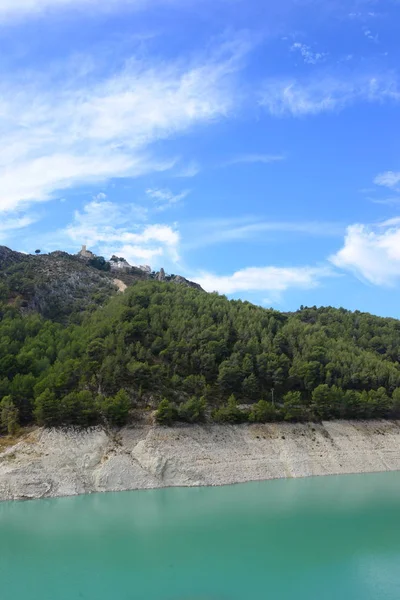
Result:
56,463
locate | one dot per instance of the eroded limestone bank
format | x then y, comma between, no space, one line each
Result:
50,463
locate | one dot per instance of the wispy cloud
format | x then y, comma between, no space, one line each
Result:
372,253
107,227
309,57
323,94
192,169
365,15
371,36
100,196
17,9
55,136
12,10
164,198
254,158
388,179
218,231
264,279
394,201
9,226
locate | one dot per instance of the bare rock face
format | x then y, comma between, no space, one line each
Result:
119,264
51,463
149,459
145,268
178,279
182,281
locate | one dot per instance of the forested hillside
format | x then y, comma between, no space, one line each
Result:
196,356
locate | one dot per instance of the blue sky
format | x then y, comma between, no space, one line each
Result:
251,146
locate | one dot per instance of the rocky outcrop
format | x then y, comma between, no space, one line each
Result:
9,257
50,463
58,283
178,279
120,285
54,284
161,275
182,281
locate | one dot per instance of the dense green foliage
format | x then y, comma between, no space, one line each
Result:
166,413
195,356
230,413
100,263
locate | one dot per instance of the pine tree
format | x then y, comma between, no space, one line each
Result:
8,415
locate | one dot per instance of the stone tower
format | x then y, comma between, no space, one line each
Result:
85,253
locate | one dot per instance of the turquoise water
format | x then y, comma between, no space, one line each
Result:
323,538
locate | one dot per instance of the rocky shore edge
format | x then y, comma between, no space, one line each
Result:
51,463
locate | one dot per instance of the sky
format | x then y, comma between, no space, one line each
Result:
252,146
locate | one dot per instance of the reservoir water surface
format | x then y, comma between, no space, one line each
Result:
326,538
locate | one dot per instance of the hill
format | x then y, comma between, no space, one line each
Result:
196,356
61,286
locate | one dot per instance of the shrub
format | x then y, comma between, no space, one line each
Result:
99,262
396,403
193,411
294,409
9,415
79,408
47,409
166,413
230,413
263,412
115,409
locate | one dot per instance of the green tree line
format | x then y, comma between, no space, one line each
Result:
195,356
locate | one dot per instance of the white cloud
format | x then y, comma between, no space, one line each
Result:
255,158
136,255
165,198
107,227
388,179
55,136
322,94
309,57
270,279
372,253
36,179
